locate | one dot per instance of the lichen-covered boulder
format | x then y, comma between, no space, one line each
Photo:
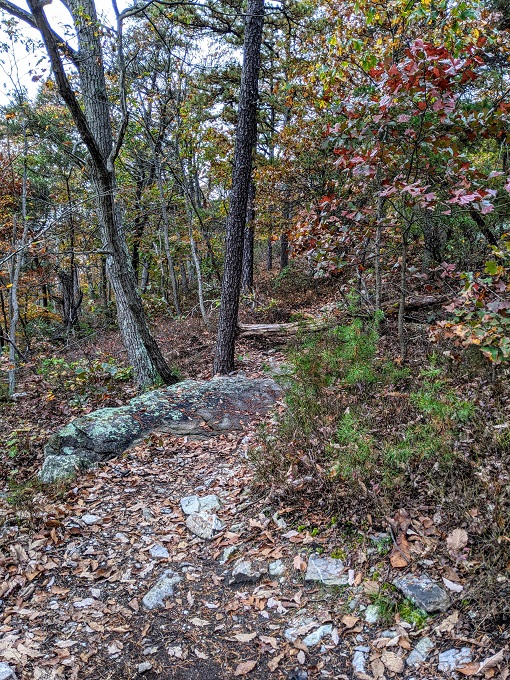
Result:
196,408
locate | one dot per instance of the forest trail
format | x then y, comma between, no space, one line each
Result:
80,567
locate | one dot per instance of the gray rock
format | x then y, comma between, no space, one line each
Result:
300,625
277,568
420,652
6,672
424,592
204,525
62,467
279,521
372,613
191,504
298,674
144,667
159,552
359,661
450,660
244,572
327,570
228,552
163,589
90,519
197,408
314,638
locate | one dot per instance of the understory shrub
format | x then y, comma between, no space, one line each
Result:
357,421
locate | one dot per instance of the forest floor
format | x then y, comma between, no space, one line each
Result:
77,563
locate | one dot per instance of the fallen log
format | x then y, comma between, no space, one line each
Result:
245,330
254,330
413,303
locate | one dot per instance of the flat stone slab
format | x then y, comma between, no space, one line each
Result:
420,652
451,659
163,589
327,570
424,592
194,408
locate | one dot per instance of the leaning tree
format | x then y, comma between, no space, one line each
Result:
92,116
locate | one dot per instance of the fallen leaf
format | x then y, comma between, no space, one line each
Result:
448,624
392,661
400,555
456,587
457,540
349,621
269,640
477,668
245,667
273,664
245,637
200,622
299,563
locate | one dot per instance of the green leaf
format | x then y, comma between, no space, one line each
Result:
491,267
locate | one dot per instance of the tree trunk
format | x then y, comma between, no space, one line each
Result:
269,254
94,126
248,243
166,228
17,263
284,250
145,276
246,132
402,307
71,297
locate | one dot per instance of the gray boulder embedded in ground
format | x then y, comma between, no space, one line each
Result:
424,592
162,589
159,552
204,525
190,408
327,570
277,568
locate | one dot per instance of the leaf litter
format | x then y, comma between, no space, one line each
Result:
72,589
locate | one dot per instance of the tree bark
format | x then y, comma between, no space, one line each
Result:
94,126
269,254
248,243
166,228
246,132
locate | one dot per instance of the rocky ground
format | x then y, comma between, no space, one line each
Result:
168,562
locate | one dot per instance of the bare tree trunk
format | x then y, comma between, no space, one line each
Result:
248,243
284,250
165,228
93,123
269,254
402,306
184,277
196,262
145,276
17,263
246,132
